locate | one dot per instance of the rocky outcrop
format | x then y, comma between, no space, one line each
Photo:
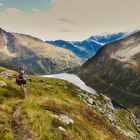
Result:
103,104
6,75
65,119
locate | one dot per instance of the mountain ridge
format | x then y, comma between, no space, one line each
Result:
88,47
114,71
35,54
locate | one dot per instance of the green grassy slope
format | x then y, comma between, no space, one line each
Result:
31,118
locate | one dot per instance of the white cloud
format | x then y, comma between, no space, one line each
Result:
13,11
35,10
74,19
1,4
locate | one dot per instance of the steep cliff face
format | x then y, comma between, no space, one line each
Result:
34,54
57,109
115,71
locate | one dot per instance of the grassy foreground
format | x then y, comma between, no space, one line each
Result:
23,119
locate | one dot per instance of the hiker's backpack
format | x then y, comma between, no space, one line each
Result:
20,80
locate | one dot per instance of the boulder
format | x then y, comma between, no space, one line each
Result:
61,129
90,101
6,75
65,119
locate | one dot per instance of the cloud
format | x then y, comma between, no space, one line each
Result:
35,10
1,4
13,11
73,19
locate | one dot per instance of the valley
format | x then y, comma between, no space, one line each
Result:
102,93
69,70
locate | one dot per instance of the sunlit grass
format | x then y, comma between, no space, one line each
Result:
54,95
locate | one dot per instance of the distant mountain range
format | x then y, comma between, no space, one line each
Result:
36,55
115,71
50,56
87,48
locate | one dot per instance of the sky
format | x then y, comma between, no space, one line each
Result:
69,19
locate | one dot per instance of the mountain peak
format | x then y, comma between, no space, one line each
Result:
87,48
105,38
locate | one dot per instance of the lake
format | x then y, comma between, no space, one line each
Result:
72,78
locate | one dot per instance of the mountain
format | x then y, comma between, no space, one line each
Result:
87,48
58,110
36,55
115,71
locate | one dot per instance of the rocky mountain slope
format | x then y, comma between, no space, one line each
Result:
115,71
57,110
87,48
36,55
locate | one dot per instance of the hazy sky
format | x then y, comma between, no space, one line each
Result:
69,19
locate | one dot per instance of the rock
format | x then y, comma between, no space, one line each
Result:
127,133
84,96
65,87
111,117
60,84
65,119
61,129
6,75
3,84
90,101
103,104
107,101
78,90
